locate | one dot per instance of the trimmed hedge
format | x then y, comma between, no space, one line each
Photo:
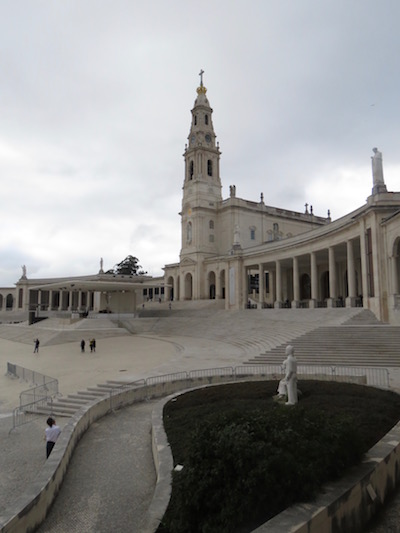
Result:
247,458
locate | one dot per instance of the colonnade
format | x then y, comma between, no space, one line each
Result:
60,300
186,286
330,277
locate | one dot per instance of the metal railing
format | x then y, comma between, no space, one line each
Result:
31,411
45,386
35,394
34,403
31,376
41,397
374,377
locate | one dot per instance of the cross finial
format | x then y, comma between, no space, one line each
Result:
201,77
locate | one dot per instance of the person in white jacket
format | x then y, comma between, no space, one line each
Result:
51,435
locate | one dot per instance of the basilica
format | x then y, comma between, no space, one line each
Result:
245,253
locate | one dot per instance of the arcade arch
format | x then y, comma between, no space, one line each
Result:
9,302
211,286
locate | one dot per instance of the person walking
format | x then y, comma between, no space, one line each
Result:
51,435
36,349
83,344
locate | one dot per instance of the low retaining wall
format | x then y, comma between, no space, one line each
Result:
348,505
354,499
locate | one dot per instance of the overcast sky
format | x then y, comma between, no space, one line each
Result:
95,100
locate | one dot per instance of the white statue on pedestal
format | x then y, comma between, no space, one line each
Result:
377,172
288,385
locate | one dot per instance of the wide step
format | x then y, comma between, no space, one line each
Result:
346,345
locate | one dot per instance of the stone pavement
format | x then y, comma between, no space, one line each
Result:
103,481
111,478
89,488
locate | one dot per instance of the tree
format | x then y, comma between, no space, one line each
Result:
128,267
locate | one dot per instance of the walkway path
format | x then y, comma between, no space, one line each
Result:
110,480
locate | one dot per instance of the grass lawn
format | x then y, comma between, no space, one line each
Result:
246,458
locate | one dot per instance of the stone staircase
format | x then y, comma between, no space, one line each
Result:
361,341
69,405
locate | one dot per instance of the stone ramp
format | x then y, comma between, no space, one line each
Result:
183,308
60,331
79,334
26,334
365,317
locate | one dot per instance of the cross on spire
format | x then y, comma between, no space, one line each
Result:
201,77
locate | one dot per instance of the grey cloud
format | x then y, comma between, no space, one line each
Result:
95,111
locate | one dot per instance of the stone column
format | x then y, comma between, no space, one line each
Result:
243,286
395,279
272,286
218,294
70,301
314,280
261,284
364,268
296,284
167,293
332,278
79,300
180,287
351,277
50,299
278,294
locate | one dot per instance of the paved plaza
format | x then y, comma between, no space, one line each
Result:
111,477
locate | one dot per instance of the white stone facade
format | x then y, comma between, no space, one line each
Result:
251,254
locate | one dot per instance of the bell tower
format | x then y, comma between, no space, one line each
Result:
202,184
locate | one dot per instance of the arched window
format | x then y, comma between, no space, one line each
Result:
206,120
195,120
211,224
209,167
253,233
191,170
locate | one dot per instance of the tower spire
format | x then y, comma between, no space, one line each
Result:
202,184
201,89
